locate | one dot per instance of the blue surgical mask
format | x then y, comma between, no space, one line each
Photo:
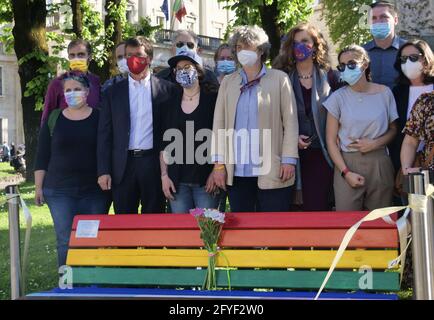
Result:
381,30
351,76
186,78
183,48
75,99
225,66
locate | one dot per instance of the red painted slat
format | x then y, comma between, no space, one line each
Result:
283,238
254,220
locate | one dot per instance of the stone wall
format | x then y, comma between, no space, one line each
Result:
416,19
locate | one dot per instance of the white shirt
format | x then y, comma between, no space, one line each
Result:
141,130
416,92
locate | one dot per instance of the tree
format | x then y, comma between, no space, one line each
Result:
77,18
30,44
275,16
23,29
347,21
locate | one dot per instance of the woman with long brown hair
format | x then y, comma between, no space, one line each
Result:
304,57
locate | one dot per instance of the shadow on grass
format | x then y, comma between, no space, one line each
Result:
42,261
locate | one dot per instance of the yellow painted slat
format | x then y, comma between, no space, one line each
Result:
236,258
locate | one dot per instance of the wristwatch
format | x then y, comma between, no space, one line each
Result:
344,172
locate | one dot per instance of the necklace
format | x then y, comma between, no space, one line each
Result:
190,98
305,77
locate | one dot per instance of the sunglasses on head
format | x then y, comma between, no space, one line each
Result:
351,65
180,44
412,57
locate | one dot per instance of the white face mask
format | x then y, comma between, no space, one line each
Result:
247,57
412,70
122,66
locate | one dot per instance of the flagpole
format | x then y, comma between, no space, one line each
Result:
172,16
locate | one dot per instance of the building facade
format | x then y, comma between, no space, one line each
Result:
11,124
207,18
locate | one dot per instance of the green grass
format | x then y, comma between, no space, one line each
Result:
6,170
42,265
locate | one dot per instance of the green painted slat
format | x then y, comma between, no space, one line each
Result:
279,279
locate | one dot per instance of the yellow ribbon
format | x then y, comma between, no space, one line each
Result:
418,203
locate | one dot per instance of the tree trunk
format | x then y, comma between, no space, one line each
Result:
29,34
109,67
269,15
77,18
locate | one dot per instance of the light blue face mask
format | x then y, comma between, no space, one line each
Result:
351,76
381,30
225,66
183,48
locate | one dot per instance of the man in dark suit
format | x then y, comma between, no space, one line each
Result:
186,40
130,133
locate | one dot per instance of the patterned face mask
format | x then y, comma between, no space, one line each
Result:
302,51
75,99
186,78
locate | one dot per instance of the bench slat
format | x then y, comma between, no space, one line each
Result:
320,238
140,293
252,220
236,258
340,280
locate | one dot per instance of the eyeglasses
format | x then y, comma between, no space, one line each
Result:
180,44
186,68
412,57
351,65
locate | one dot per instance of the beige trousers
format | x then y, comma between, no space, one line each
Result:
376,167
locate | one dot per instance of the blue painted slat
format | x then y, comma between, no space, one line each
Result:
142,292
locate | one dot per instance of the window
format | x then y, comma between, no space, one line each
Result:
219,32
190,25
161,21
1,81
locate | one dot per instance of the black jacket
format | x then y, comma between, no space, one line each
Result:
207,103
114,124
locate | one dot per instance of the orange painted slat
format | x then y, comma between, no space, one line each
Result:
245,220
364,238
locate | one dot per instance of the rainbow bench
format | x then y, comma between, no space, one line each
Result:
275,256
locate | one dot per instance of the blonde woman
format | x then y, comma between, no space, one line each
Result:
360,123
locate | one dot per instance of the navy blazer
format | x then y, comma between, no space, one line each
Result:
114,124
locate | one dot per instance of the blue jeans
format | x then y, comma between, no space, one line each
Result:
189,196
65,204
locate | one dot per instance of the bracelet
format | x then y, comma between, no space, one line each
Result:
344,172
221,167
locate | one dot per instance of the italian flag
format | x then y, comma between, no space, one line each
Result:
179,9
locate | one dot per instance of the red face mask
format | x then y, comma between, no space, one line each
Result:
136,65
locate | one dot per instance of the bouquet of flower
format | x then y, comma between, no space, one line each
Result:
210,222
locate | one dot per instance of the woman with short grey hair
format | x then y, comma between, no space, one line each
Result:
251,35
257,105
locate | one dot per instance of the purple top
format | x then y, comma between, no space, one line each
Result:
54,97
